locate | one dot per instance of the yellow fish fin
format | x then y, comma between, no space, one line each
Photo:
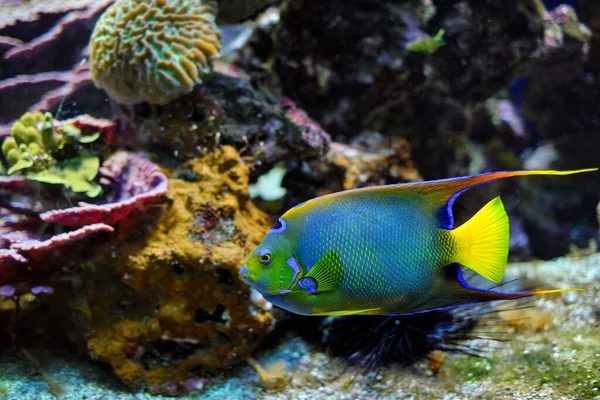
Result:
325,276
440,195
482,241
372,311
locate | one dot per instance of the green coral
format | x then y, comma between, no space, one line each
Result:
427,45
36,150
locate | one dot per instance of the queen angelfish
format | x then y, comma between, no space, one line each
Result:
385,250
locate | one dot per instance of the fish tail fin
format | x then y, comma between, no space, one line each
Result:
482,241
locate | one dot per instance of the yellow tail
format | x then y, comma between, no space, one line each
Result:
482,241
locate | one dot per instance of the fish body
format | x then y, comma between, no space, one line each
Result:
383,250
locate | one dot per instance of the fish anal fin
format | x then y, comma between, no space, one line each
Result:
368,311
458,291
327,273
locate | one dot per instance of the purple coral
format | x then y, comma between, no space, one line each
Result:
136,183
71,21
51,65
23,249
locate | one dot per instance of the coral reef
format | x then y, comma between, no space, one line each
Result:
358,74
228,110
35,227
138,263
172,302
46,244
153,50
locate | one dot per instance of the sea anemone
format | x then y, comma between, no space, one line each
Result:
153,50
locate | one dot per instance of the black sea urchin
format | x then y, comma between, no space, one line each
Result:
374,341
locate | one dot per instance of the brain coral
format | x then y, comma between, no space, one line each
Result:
153,50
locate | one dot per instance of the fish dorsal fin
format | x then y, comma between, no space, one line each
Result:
441,194
438,196
325,275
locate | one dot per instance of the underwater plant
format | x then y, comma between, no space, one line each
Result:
40,150
153,50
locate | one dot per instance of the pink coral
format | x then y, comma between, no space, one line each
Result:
40,249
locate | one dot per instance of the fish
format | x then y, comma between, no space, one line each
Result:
386,250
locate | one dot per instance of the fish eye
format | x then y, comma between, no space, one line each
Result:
265,257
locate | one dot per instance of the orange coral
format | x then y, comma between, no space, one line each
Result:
175,302
153,50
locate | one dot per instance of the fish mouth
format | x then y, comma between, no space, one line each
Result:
259,286
245,275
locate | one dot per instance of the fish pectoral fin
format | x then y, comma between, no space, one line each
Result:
326,275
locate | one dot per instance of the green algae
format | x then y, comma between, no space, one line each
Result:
536,363
542,368
472,368
42,152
